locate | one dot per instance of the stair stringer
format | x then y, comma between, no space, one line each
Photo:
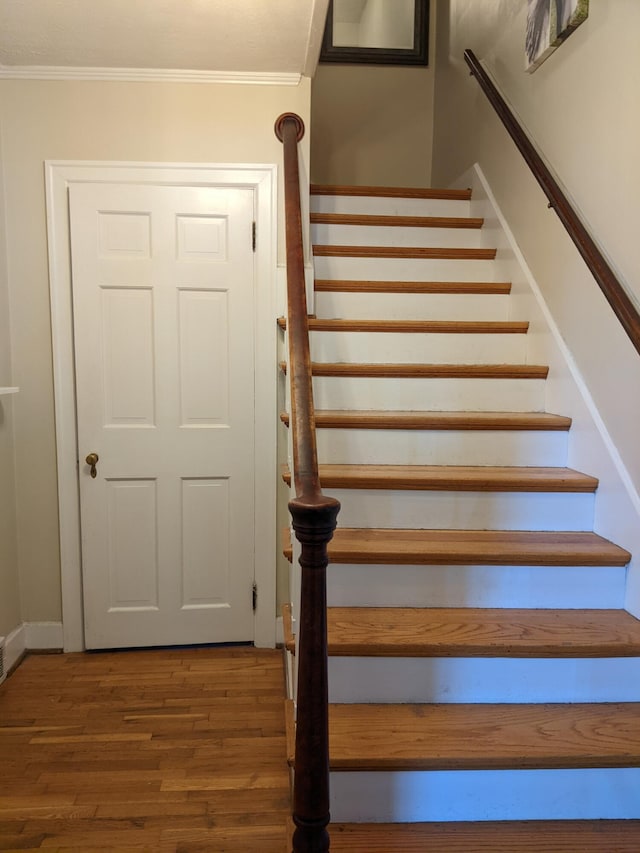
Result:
591,448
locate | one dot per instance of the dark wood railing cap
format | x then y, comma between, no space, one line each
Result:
314,518
613,290
279,125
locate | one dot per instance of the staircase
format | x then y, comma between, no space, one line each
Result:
482,671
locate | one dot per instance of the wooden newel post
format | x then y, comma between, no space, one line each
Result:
314,522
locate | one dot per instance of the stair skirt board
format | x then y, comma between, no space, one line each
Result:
449,795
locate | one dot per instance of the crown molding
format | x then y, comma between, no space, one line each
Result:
151,75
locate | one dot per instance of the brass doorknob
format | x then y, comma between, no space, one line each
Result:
92,460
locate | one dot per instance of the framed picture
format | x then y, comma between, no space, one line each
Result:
377,32
549,23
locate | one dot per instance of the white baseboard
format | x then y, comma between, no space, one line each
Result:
30,635
15,646
279,631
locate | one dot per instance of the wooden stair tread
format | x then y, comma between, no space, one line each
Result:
472,737
397,221
471,547
434,253
361,286
453,478
390,192
428,371
482,632
381,419
483,327
558,836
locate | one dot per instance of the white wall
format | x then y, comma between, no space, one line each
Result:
581,108
77,120
373,124
9,587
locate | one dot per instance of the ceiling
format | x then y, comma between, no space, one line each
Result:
272,36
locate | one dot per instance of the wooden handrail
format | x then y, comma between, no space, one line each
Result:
614,292
314,520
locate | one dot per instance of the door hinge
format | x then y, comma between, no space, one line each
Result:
254,232
255,596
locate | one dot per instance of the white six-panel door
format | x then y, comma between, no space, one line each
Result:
163,296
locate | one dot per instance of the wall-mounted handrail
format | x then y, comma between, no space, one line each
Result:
314,520
614,292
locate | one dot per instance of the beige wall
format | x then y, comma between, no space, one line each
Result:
582,109
216,123
372,124
9,586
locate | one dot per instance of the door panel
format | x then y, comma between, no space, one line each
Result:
163,300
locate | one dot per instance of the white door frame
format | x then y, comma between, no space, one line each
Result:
262,179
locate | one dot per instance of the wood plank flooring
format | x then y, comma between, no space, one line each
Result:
163,751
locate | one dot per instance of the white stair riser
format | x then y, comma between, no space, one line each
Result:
417,348
465,510
389,206
455,679
394,394
450,795
475,586
403,269
412,306
374,235
441,447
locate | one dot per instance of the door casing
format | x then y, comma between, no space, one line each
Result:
262,178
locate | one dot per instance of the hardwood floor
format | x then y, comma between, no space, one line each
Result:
168,751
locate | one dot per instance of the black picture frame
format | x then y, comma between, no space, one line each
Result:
417,55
